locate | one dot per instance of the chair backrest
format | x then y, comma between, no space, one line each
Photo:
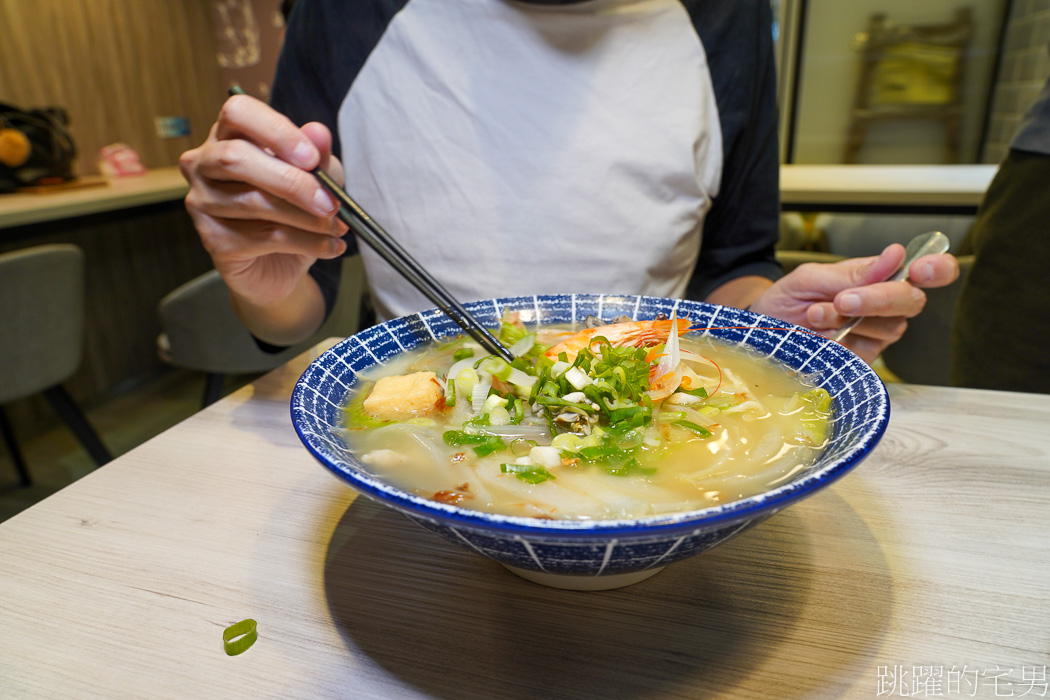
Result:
914,66
910,72
41,318
922,355
201,331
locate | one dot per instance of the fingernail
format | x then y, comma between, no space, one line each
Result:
924,273
850,303
303,155
817,314
323,203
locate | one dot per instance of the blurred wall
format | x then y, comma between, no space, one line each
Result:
248,35
115,65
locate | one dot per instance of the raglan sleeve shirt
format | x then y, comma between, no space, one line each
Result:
329,43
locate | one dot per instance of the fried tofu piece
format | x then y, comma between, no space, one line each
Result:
405,396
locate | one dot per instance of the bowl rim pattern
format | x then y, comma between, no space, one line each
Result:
425,326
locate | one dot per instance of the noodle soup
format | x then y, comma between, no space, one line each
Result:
619,421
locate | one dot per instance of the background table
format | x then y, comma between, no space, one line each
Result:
155,186
888,189
932,553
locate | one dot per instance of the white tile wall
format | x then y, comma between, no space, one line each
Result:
1024,68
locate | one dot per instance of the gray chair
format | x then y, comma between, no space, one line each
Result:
922,355
42,339
200,330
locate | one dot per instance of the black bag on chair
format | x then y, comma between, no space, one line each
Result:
36,148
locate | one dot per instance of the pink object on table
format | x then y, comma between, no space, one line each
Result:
118,160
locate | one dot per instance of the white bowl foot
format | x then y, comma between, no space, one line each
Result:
584,583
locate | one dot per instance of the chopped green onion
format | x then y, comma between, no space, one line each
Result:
559,368
499,415
493,400
577,377
483,444
462,354
457,438
634,415
698,429
450,392
510,333
499,368
820,399
815,416
492,444
629,467
631,439
356,415
517,411
521,446
466,379
557,401
567,442
724,402
527,472
237,638
523,346
479,421
596,453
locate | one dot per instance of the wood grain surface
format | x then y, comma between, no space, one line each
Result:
155,186
114,65
932,553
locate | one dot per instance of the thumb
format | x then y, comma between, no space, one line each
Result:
321,137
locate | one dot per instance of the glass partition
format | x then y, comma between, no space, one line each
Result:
887,81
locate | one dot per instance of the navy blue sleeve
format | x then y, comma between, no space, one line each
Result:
742,228
326,44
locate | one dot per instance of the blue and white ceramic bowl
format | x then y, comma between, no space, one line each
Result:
610,553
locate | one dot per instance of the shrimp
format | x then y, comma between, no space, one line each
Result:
634,333
665,375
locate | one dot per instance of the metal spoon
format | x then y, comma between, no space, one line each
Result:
924,244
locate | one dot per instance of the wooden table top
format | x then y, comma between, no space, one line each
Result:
928,563
156,185
913,188
807,187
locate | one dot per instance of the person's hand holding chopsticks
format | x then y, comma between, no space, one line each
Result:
263,217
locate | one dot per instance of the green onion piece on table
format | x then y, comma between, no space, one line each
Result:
237,638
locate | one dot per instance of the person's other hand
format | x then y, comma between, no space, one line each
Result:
825,296
261,215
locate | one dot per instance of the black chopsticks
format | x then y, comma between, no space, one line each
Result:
351,213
